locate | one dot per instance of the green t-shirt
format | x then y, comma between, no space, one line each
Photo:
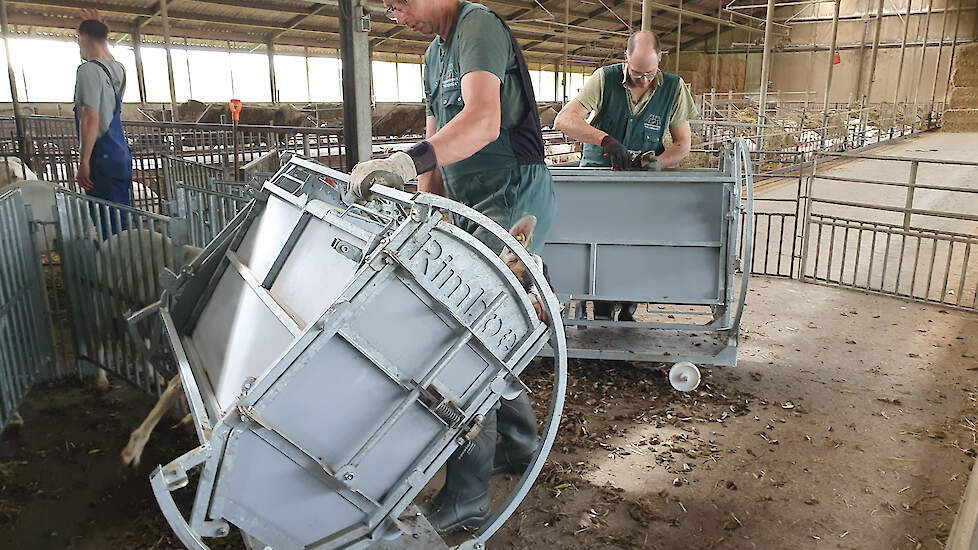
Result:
483,44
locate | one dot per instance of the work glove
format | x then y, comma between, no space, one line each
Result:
365,174
649,162
619,157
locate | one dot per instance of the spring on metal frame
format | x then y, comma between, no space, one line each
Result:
449,414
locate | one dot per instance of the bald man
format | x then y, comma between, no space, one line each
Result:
628,106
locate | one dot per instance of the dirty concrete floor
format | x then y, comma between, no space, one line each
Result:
850,423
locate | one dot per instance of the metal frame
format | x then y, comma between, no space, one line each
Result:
392,242
25,319
103,289
848,236
668,342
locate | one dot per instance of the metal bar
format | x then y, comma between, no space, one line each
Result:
908,206
765,74
828,79
872,63
923,56
169,59
964,272
954,45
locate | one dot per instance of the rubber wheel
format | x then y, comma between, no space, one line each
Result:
684,376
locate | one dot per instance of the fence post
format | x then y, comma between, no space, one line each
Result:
805,223
911,182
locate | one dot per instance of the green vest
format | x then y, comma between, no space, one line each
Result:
641,132
516,146
507,178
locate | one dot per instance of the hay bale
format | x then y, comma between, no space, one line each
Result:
748,115
964,77
960,120
963,98
966,56
403,120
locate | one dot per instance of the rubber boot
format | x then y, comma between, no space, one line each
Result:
603,311
464,499
517,426
628,310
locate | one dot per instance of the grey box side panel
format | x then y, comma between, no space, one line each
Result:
626,213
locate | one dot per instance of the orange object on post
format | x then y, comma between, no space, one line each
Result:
836,59
235,108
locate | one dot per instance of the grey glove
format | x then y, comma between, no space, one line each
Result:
387,171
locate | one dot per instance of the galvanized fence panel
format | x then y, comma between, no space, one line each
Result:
776,240
112,257
52,147
25,324
890,232
208,211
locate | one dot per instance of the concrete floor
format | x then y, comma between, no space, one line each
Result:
849,422
920,266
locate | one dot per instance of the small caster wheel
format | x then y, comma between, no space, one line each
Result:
684,376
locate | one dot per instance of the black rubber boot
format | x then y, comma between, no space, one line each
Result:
628,310
517,426
464,499
603,311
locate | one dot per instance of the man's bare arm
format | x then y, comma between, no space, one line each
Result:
88,128
682,141
476,125
572,120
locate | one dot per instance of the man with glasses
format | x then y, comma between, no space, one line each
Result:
483,148
630,106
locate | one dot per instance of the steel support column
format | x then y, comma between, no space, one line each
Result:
355,53
169,59
828,77
765,74
18,122
271,70
137,51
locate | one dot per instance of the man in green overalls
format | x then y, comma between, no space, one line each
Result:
631,104
483,148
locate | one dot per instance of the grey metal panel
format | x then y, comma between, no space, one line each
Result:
236,336
311,405
261,245
405,330
676,275
636,213
315,273
268,493
568,267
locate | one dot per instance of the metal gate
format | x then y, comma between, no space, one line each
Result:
208,211
25,321
111,260
899,231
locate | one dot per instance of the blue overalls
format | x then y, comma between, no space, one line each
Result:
111,160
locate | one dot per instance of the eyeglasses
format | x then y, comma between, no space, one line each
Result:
638,76
396,5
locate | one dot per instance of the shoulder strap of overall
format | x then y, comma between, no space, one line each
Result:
530,140
118,95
